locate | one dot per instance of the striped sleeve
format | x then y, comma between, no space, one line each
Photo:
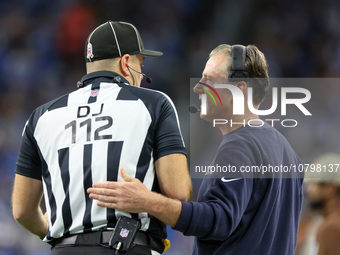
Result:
168,137
28,162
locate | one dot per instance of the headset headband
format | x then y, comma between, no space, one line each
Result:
238,56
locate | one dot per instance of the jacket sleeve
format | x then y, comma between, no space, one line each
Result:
223,200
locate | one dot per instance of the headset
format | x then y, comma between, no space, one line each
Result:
148,79
238,56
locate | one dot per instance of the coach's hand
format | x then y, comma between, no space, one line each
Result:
129,196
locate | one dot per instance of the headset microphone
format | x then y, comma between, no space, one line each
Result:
193,109
148,79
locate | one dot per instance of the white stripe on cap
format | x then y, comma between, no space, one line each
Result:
135,32
114,33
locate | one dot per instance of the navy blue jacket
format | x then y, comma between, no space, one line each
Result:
247,213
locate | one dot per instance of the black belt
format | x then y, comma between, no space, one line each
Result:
103,238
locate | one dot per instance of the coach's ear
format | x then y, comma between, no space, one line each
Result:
243,86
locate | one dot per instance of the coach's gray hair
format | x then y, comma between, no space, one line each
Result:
255,65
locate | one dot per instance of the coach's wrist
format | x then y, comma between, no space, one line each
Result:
165,209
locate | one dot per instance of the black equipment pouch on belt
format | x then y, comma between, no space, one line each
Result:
125,232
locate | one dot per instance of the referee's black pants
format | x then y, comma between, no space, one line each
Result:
87,250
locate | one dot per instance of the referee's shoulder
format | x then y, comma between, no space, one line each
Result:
42,109
146,93
55,103
51,105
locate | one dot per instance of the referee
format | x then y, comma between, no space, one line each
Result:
83,137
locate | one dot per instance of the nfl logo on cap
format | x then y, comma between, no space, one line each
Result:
89,51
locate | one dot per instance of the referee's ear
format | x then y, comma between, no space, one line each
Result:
124,60
126,177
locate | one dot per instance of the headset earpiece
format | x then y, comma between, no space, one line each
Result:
126,64
238,56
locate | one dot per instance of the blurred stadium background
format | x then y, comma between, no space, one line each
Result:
41,57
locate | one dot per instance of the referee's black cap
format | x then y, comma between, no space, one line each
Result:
114,39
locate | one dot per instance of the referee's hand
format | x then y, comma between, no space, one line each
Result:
130,195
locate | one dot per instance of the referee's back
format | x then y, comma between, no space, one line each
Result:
83,137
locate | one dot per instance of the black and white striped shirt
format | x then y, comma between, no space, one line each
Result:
83,137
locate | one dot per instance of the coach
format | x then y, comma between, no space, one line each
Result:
83,137
237,214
